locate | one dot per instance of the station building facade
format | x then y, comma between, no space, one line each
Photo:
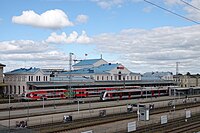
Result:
2,85
100,70
187,80
17,79
91,70
157,76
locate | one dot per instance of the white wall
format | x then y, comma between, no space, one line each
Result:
19,81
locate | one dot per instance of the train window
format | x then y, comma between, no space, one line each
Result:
126,93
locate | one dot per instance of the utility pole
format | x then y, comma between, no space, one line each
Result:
70,76
177,63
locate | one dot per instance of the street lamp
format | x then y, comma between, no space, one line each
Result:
70,69
9,108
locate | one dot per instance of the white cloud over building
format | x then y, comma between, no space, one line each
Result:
82,18
53,19
66,39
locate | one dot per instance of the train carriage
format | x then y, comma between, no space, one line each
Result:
45,94
133,93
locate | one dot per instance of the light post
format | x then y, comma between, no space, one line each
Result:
70,76
174,99
138,111
43,103
28,111
78,105
9,109
124,81
146,93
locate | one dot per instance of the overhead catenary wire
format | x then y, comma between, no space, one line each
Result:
190,5
172,12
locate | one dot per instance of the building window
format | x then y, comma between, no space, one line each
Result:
110,77
127,77
23,89
36,78
39,78
107,77
44,78
97,77
31,78
19,89
15,89
23,78
119,76
10,90
102,78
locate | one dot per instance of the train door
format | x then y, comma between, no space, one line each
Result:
152,93
120,96
110,95
158,92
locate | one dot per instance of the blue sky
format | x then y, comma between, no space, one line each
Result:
42,33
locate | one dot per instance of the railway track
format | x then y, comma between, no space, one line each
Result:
32,106
46,105
51,112
178,125
64,111
83,123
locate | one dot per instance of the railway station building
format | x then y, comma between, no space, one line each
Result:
86,73
2,84
187,80
100,70
17,79
157,76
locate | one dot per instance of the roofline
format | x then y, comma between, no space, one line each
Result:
2,65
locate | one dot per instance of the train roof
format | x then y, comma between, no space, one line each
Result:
187,88
134,90
44,90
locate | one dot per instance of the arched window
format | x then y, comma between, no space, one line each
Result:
15,89
119,76
19,89
10,90
23,89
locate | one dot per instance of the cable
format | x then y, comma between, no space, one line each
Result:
172,12
190,4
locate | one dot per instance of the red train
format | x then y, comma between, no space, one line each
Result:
63,93
134,93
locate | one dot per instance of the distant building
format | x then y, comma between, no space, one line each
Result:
187,80
89,63
2,85
157,76
85,71
100,70
17,79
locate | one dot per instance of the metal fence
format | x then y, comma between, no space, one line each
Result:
107,128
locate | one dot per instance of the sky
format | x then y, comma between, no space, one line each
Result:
135,33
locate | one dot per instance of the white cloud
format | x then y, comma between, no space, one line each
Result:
191,12
53,19
156,49
21,53
107,4
82,18
172,2
71,38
